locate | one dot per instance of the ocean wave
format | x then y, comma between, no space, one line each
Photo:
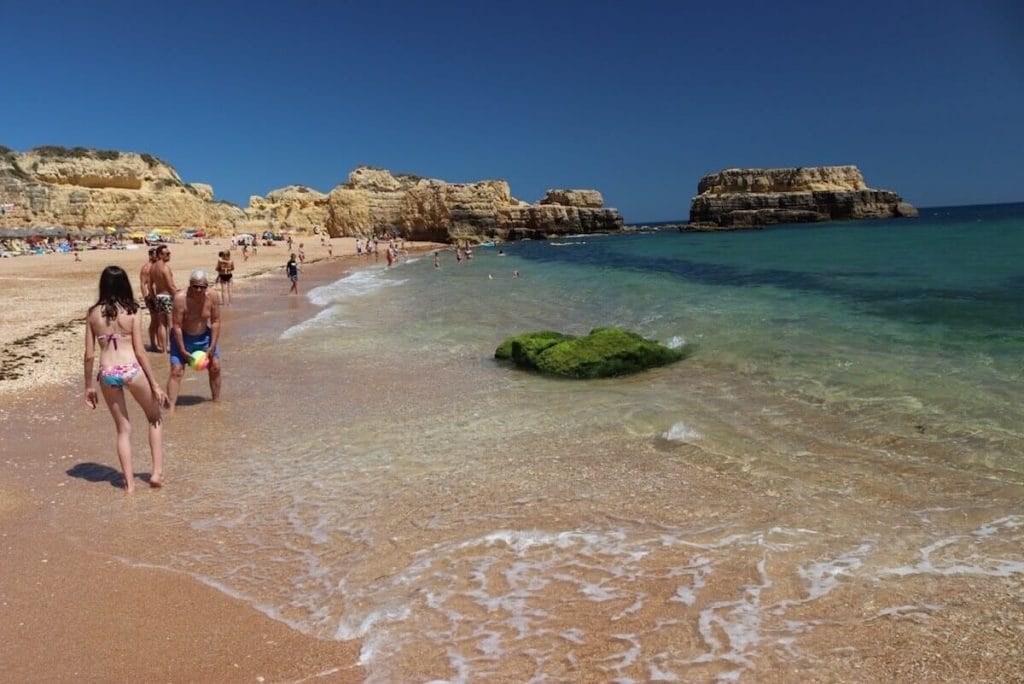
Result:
357,284
329,315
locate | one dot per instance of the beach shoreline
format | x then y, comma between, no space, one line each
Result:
47,296
74,607
380,496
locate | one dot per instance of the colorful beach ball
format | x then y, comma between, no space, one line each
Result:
199,360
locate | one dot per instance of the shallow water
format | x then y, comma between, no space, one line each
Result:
837,464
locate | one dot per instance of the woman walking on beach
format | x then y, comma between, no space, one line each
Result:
113,323
225,267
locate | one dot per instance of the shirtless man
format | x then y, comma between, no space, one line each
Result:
149,299
195,327
161,285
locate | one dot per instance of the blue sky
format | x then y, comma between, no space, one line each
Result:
637,99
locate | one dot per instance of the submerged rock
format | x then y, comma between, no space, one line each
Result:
605,352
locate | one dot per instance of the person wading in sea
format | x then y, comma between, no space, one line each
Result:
292,270
195,327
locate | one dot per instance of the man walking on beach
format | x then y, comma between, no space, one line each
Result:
195,327
161,285
147,297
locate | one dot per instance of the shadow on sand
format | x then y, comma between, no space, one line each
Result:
189,400
97,472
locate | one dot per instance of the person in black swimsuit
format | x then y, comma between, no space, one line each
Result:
292,269
225,268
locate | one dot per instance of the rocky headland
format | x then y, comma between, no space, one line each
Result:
85,189
750,198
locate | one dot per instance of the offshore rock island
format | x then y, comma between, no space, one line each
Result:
84,189
749,198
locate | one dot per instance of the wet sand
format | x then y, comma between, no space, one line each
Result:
72,608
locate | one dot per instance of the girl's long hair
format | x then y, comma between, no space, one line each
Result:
115,291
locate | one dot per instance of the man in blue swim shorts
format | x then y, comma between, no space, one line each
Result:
195,326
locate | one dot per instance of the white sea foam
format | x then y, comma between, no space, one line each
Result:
681,432
356,284
526,586
676,342
549,595
914,612
822,576
327,316
972,558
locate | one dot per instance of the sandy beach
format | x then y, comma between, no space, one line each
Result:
47,296
72,609
376,499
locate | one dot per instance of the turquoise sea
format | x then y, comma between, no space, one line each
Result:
837,465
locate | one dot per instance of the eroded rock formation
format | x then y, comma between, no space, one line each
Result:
748,198
88,189
373,201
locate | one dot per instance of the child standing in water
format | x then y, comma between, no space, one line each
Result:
113,323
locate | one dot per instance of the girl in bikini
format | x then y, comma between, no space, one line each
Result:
113,323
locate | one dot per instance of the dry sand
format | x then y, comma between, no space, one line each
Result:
71,613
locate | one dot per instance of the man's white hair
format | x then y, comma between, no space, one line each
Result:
197,275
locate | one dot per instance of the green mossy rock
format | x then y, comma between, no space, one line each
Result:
605,352
524,349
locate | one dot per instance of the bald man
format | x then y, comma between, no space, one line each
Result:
195,326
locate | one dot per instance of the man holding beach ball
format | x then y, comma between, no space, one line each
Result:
195,331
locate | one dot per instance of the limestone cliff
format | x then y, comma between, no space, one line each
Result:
87,189
296,206
375,201
748,198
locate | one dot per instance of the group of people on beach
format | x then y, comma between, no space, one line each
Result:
183,322
395,247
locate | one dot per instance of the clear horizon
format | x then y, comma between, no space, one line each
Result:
636,102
